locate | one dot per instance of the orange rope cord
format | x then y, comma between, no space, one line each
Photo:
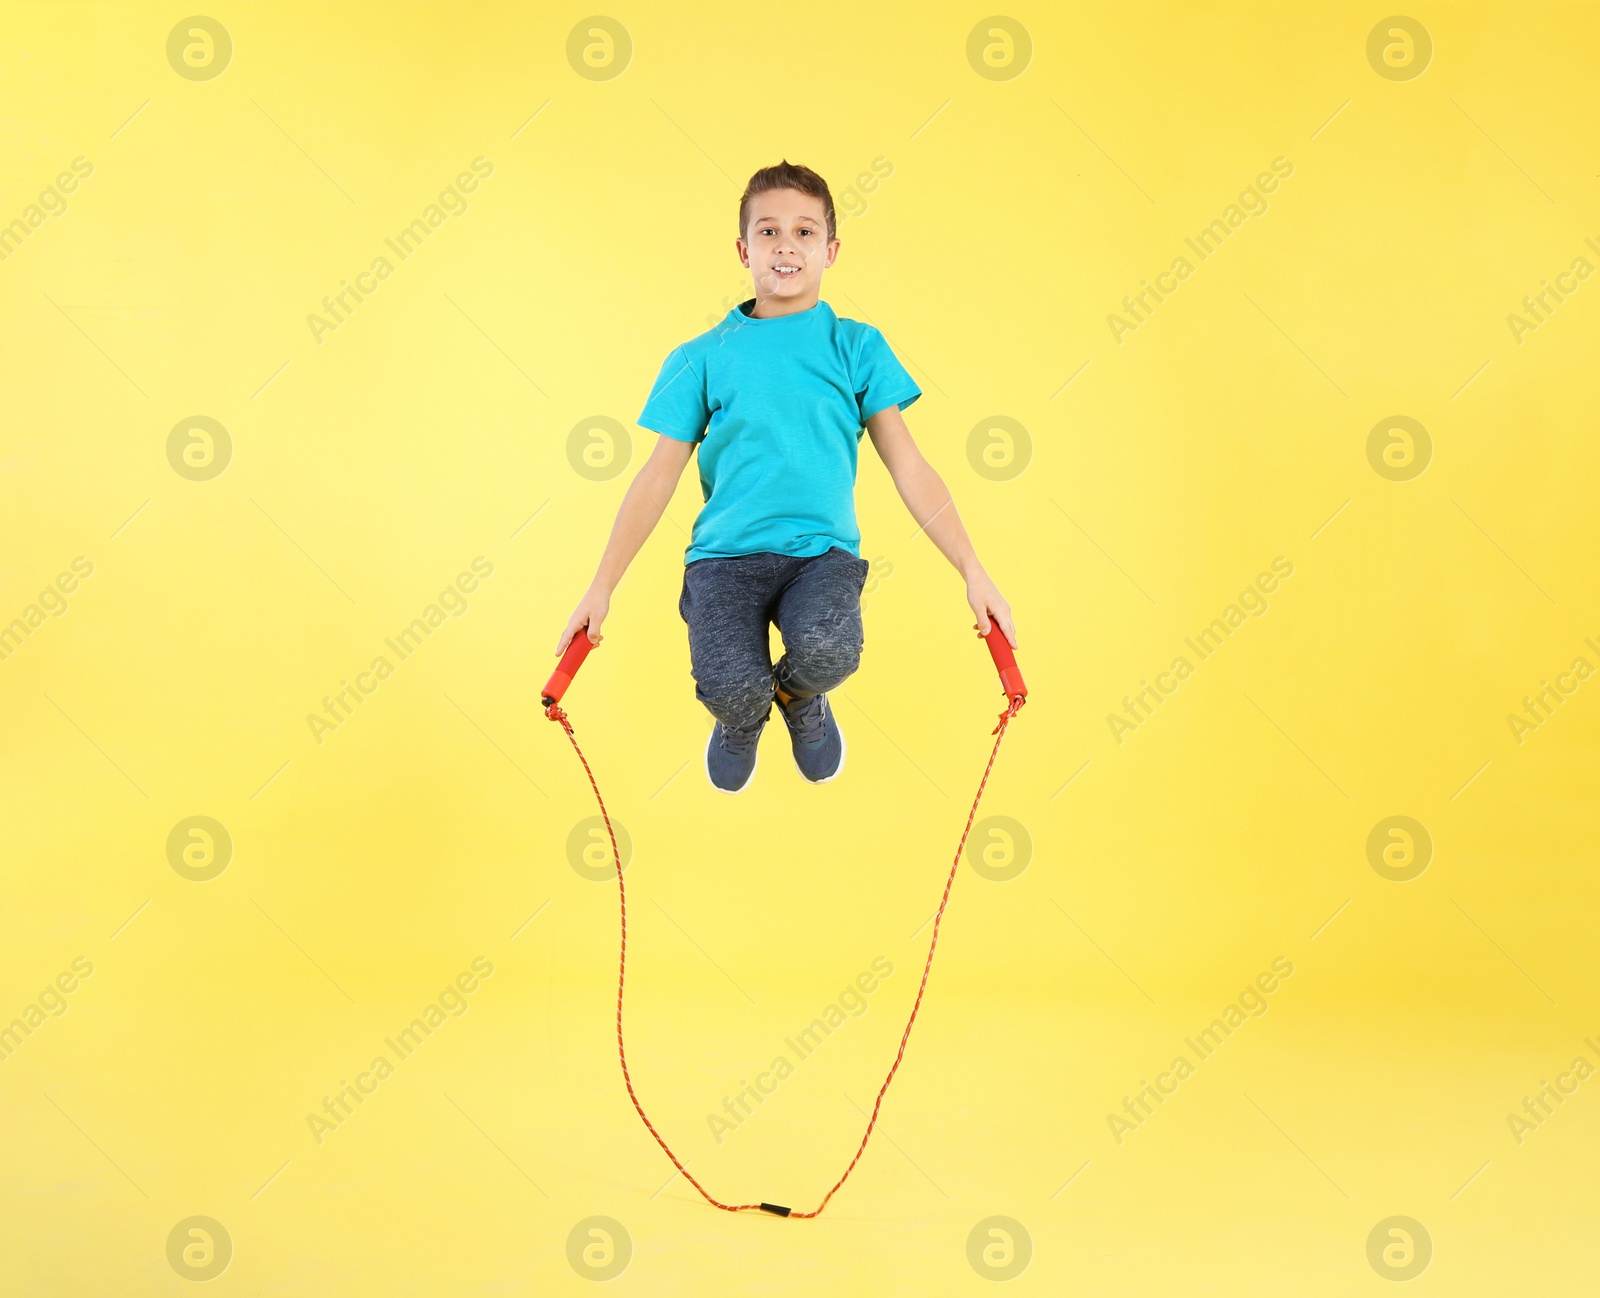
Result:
555,713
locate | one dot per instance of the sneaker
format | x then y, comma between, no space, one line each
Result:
814,735
731,757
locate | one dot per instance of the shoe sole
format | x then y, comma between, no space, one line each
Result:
843,748
706,762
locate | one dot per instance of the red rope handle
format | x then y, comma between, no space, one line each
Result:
555,713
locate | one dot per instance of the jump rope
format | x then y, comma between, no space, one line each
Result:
1016,694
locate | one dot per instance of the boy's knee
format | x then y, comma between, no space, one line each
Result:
823,663
740,702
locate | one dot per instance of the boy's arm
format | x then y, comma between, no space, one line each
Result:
931,504
637,516
646,500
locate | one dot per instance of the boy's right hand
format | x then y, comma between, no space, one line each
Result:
591,612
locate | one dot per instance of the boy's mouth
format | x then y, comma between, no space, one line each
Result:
785,270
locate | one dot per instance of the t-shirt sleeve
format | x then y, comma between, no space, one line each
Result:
676,406
880,380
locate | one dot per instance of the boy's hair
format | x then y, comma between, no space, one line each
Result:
786,175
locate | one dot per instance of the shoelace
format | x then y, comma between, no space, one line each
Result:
735,744
807,718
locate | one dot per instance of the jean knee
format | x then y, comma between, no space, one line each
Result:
823,663
740,702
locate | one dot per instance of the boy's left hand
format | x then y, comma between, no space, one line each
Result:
987,602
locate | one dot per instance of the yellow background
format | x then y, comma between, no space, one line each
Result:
1166,870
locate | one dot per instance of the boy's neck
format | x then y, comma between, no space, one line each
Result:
772,305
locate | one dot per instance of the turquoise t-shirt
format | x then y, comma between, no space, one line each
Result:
778,406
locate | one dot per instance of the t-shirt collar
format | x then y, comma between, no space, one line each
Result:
738,316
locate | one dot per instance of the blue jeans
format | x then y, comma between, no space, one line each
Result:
729,604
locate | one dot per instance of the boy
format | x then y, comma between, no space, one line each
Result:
777,396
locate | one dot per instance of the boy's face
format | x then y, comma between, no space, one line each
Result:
787,228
